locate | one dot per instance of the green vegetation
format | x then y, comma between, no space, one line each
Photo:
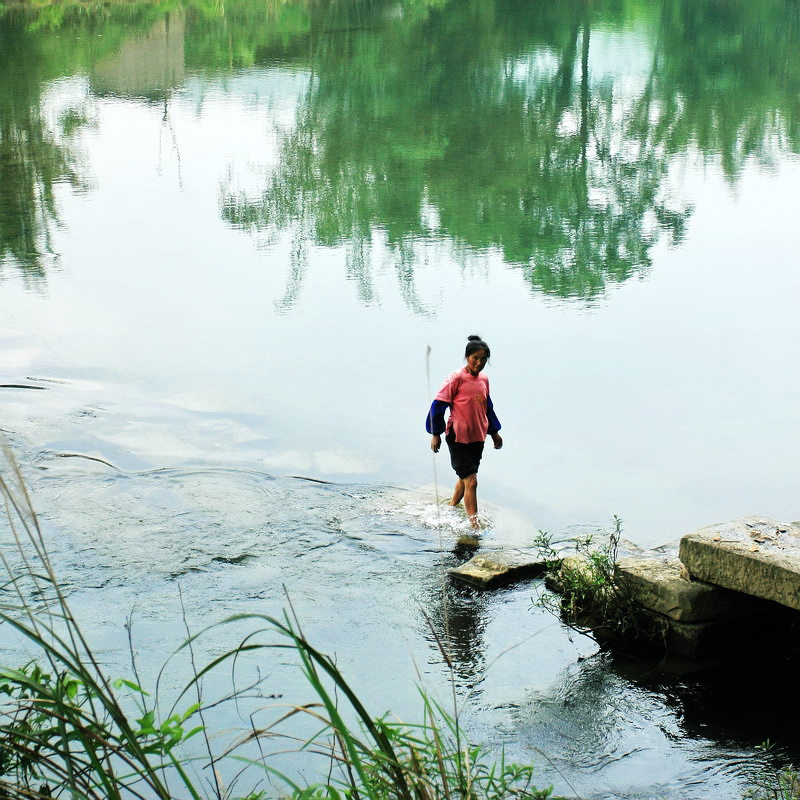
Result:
67,730
587,594
773,782
563,172
584,574
34,159
531,163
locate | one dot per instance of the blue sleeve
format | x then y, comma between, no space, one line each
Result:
434,422
494,423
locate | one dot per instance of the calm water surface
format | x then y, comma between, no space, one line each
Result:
227,239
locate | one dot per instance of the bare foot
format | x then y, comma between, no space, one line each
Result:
453,503
473,522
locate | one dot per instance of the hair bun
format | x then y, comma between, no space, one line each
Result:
474,345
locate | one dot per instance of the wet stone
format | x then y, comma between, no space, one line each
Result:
498,567
662,585
757,556
770,633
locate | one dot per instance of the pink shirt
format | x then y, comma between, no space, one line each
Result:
467,395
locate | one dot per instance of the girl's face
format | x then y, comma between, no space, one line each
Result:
476,361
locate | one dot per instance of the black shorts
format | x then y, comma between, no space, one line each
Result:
465,458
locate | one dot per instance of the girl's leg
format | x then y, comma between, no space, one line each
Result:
471,497
458,493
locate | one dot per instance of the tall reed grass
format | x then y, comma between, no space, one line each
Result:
68,730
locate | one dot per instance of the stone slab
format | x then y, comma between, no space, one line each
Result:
690,640
754,555
660,583
497,567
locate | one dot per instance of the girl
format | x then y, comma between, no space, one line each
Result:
472,417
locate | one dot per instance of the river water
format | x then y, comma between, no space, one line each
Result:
228,237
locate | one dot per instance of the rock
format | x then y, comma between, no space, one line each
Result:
499,567
572,569
770,635
660,584
753,555
652,606
468,541
657,634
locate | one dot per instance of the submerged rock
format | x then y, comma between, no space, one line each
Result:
757,556
656,634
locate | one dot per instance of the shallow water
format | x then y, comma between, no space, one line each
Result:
168,551
227,238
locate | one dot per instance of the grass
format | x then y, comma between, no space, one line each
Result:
771,782
585,579
588,595
69,730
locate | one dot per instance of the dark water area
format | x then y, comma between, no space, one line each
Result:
228,235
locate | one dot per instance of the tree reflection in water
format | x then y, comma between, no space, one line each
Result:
488,115
490,126
34,159
37,141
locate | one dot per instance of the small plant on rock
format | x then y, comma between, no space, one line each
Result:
586,592
584,578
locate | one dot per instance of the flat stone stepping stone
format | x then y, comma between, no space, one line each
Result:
497,567
661,584
754,555
468,541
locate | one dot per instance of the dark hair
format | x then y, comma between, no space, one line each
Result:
475,343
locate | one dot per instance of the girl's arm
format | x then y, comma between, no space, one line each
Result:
434,422
494,424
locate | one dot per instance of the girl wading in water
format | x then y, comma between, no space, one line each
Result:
472,417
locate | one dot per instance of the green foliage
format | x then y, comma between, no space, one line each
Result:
589,596
587,593
386,759
27,694
52,724
160,738
381,136
563,172
585,575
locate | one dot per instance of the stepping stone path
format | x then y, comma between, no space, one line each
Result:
710,592
661,584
